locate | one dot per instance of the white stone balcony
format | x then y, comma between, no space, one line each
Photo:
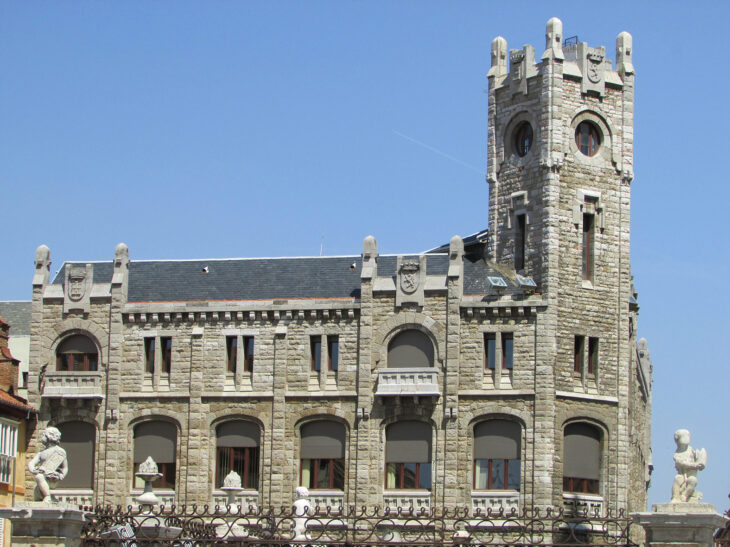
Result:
579,504
407,500
334,499
495,500
74,496
73,385
408,381
245,499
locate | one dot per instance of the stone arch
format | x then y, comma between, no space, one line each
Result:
607,154
405,321
507,152
69,327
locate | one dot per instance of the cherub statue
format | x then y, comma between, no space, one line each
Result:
302,509
49,465
687,462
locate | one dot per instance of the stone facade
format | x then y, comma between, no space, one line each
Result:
466,299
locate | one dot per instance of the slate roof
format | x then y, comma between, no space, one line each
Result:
271,278
17,315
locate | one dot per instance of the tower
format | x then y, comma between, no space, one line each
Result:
559,172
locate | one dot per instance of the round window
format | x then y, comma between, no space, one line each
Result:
523,139
587,138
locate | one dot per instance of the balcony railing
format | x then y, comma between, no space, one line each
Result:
580,504
495,500
408,381
334,499
74,497
73,385
246,499
407,501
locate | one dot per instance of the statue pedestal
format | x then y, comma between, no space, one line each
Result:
44,524
680,524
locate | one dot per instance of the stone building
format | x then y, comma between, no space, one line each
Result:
500,370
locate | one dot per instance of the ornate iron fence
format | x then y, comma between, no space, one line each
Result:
196,525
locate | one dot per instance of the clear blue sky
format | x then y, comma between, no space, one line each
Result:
220,129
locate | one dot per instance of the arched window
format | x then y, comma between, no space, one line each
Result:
410,349
408,455
159,440
78,439
77,352
581,458
323,455
587,138
497,450
237,449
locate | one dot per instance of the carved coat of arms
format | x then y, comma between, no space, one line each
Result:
76,283
409,277
594,65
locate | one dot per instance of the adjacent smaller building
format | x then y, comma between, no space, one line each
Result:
17,314
17,419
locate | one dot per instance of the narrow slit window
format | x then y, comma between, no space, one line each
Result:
149,355
490,348
578,348
166,345
248,348
232,352
588,243
333,353
592,355
520,241
507,350
315,346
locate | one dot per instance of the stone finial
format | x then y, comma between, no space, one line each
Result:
624,54
121,264
456,256
688,462
121,251
42,265
369,258
499,58
232,480
554,40
149,466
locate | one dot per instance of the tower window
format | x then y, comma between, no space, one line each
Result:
587,138
520,240
523,139
588,238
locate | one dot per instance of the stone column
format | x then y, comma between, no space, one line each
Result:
680,524
37,523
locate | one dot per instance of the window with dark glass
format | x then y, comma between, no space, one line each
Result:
248,353
588,242
78,439
520,241
333,353
581,458
237,449
508,343
323,455
578,350
587,138
166,346
490,350
157,439
149,355
77,353
231,353
315,348
592,355
408,455
497,460
410,349
523,139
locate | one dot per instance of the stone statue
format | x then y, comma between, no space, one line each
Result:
49,465
302,509
687,462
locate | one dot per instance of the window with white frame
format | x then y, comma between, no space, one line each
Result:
8,450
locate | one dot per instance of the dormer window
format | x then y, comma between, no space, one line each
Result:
77,353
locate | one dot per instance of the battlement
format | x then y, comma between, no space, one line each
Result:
579,61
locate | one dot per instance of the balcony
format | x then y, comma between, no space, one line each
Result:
495,501
408,381
73,385
407,501
246,499
580,504
74,497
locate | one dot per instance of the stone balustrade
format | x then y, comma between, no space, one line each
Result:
495,500
407,500
408,381
74,497
73,385
334,499
245,499
578,504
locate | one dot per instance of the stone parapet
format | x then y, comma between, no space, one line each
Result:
680,524
37,523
